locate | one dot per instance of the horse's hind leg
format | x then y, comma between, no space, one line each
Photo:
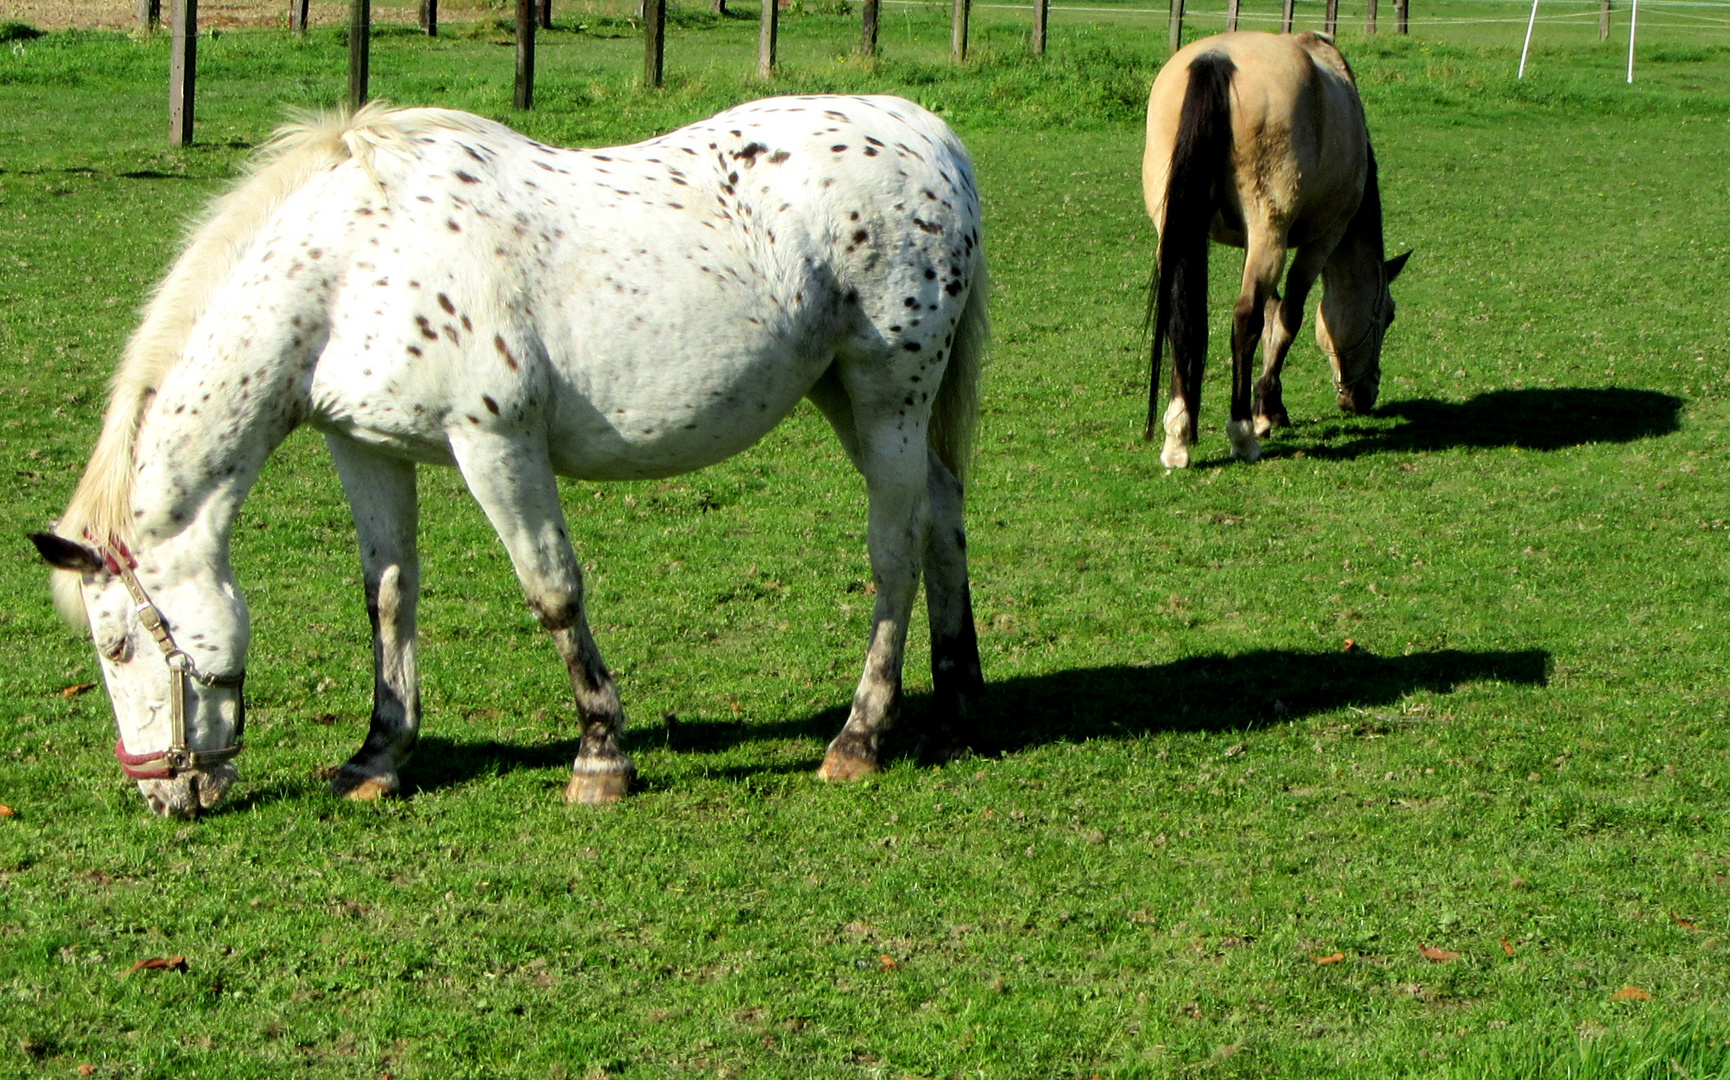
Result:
889,448
1262,264
1284,318
956,680
512,478
381,492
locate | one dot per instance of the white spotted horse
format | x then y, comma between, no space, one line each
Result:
426,286
1258,141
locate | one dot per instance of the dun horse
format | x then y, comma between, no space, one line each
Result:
428,286
1258,141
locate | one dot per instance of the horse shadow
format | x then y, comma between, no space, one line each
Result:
1534,419
1211,693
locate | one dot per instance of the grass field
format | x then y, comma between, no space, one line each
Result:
1192,791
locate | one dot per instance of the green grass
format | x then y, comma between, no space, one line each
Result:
1192,790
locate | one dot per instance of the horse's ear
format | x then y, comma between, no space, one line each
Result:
1396,264
64,554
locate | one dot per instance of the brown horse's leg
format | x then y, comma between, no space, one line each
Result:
1262,264
1284,318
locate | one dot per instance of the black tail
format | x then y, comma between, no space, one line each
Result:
1198,166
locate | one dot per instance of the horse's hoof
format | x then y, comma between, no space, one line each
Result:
1175,455
1243,442
840,766
1263,426
364,787
594,782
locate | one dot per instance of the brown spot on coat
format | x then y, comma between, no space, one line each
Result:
445,302
505,351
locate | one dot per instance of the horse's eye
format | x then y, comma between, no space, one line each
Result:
118,650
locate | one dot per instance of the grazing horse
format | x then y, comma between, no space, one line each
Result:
1258,141
428,286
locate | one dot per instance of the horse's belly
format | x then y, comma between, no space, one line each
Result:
626,419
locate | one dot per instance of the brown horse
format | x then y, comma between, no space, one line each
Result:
1258,141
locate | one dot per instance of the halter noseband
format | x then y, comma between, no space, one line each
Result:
179,757
1342,385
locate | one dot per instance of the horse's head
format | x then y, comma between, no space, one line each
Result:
1353,319
171,636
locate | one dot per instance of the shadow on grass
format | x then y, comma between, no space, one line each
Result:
1550,419
1202,693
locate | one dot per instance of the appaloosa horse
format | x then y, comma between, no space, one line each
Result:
1258,140
429,286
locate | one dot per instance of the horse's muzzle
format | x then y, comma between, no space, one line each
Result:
189,793
1359,399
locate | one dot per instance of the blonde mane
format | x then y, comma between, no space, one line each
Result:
101,507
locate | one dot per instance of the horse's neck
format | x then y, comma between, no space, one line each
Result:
203,440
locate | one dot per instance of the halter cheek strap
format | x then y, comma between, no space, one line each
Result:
179,757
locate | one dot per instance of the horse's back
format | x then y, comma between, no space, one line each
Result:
654,307
1299,143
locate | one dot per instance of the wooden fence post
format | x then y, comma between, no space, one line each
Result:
655,42
1041,18
149,15
1174,26
958,31
182,70
868,32
359,50
546,14
719,7
524,95
1333,17
766,31
1401,8
298,15
1286,17
1604,21
1370,18
1231,15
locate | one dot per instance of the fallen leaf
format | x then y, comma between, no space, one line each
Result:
1683,923
161,963
1509,949
887,962
86,1069
1234,750
1437,955
1349,646
7,811
77,688
1630,993
1331,958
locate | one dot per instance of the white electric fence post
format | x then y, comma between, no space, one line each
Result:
1527,47
1633,24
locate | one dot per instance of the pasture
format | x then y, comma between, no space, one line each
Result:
1204,839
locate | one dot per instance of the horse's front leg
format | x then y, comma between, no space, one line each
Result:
511,477
1257,300
1284,318
381,493
892,455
